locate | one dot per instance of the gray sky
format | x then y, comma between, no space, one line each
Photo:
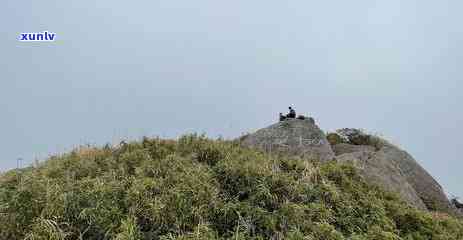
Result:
163,68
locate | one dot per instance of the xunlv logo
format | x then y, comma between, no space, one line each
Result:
37,37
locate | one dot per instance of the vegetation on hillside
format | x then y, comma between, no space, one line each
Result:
355,137
196,188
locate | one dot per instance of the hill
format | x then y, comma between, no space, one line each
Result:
376,159
197,188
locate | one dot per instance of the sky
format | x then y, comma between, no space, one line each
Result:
124,69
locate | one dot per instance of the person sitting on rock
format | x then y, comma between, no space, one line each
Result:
291,114
282,117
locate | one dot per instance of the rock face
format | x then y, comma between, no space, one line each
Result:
392,168
458,206
429,190
293,136
378,169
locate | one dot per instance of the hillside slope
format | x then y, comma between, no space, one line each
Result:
196,188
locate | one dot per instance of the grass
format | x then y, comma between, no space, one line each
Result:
197,188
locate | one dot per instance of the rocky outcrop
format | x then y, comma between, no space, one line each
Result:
458,206
378,169
392,168
378,161
293,136
429,190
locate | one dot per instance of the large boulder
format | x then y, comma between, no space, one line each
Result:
292,136
393,168
378,169
429,190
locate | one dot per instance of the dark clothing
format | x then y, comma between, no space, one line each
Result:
282,117
291,114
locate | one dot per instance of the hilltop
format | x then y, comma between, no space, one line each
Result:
198,188
376,159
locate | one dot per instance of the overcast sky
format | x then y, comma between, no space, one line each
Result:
124,69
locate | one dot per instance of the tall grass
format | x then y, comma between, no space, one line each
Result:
197,188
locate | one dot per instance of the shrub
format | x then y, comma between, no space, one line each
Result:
334,138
